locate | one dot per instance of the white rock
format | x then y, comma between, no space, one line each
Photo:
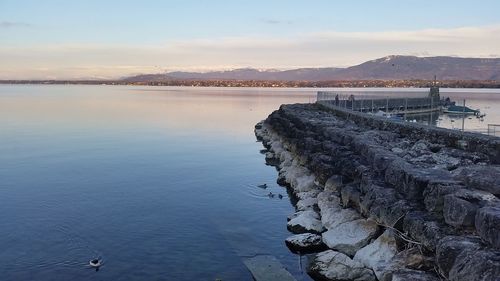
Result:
305,242
377,253
306,204
351,236
294,215
306,221
304,183
328,200
308,194
331,265
332,218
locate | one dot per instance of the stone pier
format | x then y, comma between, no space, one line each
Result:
383,200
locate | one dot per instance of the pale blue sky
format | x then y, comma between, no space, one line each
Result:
73,39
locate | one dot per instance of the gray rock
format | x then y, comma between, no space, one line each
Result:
375,200
488,224
305,243
458,212
423,229
417,180
480,265
331,265
485,178
435,192
450,247
351,236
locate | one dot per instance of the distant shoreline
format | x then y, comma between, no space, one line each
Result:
479,84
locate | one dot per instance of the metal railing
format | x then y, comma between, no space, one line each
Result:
374,103
494,130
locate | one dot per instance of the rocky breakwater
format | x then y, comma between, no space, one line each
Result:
376,203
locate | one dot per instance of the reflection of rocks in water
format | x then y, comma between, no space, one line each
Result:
385,196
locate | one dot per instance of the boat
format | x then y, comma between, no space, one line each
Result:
456,109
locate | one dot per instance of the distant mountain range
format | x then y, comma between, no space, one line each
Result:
386,68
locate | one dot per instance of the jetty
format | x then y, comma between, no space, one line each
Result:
378,199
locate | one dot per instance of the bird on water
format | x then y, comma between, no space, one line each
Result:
264,186
95,263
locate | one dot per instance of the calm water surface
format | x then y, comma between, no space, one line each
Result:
160,182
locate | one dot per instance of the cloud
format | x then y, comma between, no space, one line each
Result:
319,49
10,24
276,21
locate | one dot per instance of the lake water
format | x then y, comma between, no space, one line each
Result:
161,182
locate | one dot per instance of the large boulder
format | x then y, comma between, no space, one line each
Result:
482,177
480,265
380,251
450,247
332,265
332,218
351,236
328,200
488,224
305,243
422,228
458,212
435,192
461,206
306,204
304,222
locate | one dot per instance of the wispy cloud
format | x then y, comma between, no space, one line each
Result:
11,24
276,21
322,49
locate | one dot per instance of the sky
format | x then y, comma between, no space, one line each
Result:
108,39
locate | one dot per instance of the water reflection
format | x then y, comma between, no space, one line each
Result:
161,182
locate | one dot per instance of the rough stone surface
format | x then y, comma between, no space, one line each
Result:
332,218
305,243
410,258
488,224
423,228
480,265
434,195
458,212
351,236
306,204
379,252
306,221
482,177
331,265
427,182
413,275
450,247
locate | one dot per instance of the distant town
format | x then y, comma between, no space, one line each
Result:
277,84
